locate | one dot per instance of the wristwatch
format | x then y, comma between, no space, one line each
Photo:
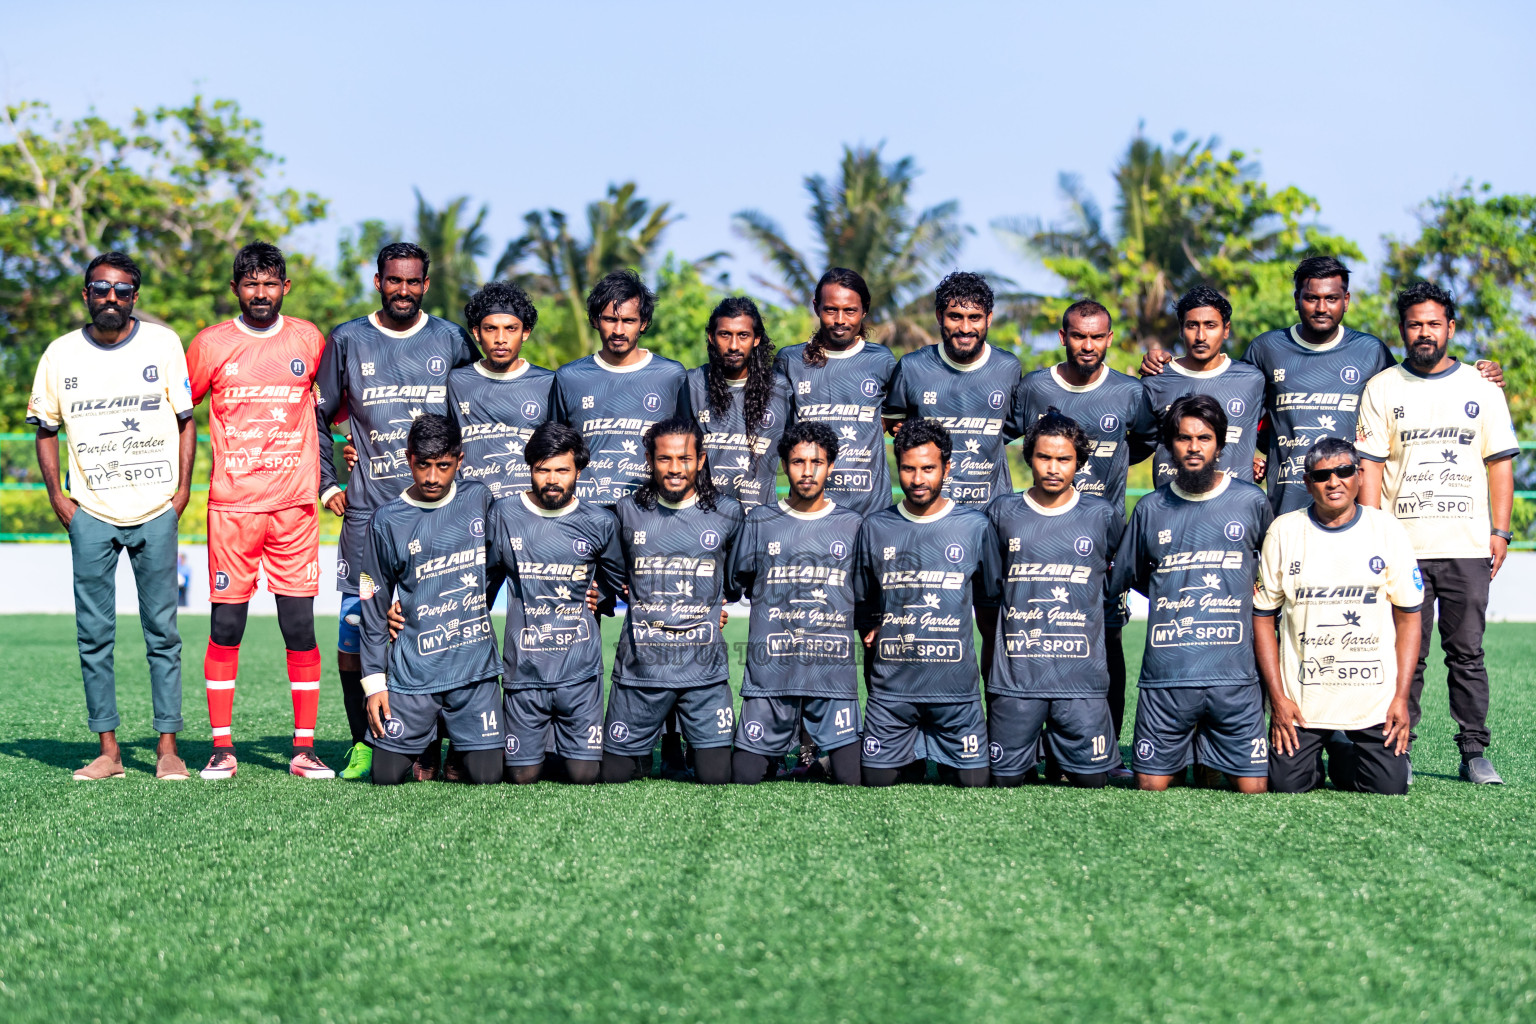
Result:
1502,534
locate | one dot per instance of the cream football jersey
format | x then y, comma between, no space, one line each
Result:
119,407
1435,432
1334,590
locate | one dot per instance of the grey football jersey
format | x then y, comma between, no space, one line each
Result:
1313,392
1237,386
496,414
549,558
1112,412
847,394
743,464
1050,623
915,581
432,557
1195,557
796,566
613,407
972,401
383,379
675,562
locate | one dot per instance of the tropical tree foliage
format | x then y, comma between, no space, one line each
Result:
456,244
865,221
1183,216
1480,247
180,188
553,264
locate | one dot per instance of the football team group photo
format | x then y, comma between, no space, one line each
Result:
870,513
961,618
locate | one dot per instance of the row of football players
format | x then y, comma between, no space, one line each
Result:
384,369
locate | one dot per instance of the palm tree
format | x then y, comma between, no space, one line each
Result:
454,247
865,222
1183,216
623,230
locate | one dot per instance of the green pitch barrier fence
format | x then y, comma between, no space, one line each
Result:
19,474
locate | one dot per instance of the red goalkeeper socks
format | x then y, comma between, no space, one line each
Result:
304,685
221,665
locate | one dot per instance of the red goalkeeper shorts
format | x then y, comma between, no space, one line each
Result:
286,543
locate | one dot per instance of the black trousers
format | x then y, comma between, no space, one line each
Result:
1460,587
1364,765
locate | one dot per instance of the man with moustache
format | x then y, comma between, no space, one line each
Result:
966,385
501,399
1192,549
920,567
741,402
118,388
841,379
384,370
1439,452
258,371
1108,405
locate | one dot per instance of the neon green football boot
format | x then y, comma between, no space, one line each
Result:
359,762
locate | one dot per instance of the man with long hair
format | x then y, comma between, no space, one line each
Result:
841,379
741,402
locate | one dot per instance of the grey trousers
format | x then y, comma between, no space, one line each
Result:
96,547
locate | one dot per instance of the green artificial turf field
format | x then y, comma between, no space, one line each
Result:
270,898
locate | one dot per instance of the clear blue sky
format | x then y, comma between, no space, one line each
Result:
1369,106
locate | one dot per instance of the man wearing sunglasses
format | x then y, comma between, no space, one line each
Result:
1345,584
1439,448
118,387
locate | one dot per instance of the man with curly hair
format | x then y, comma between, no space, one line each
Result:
965,384
499,401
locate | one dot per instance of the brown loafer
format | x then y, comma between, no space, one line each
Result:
103,767
169,766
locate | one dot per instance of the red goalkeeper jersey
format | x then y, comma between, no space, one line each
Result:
266,455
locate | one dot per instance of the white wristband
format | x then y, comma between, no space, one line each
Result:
374,683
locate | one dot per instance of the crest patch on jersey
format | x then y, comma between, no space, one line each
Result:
296,366
1236,406
955,553
221,580
581,546
709,540
1471,409
531,410
477,527
839,549
1233,530
1418,579
996,399
1109,423
437,366
1378,564
1350,375
652,402
151,373
1083,546
870,387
